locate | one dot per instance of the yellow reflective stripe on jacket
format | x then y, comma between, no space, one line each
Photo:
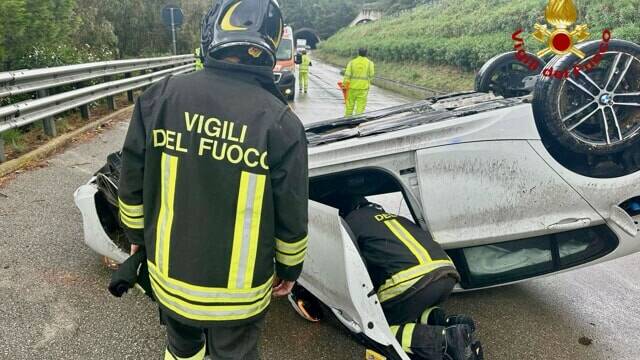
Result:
292,247
404,280
168,173
203,294
247,230
132,223
291,254
199,356
409,241
130,210
290,260
132,216
208,312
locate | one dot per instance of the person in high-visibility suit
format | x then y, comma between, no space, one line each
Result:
357,80
198,54
303,71
216,189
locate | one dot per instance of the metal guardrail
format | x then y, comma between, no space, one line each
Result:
41,81
428,92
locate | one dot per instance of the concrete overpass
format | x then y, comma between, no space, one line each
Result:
366,15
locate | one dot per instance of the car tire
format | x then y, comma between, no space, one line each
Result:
561,105
505,74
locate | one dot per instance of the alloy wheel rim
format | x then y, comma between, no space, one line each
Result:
602,107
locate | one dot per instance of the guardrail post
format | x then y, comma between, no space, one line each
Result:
130,92
85,112
111,100
49,124
3,157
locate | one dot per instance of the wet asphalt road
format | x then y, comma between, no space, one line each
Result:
54,303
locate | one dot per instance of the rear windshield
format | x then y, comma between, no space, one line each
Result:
285,50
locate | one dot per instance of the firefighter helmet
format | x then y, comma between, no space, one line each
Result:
248,29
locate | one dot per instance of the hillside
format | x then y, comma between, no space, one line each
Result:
452,35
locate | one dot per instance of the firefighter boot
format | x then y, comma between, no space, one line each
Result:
461,319
458,341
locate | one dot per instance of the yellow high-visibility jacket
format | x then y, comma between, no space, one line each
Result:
304,65
359,73
199,63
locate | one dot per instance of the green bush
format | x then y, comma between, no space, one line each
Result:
466,33
59,55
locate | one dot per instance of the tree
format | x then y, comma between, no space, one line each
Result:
32,23
325,16
95,29
12,27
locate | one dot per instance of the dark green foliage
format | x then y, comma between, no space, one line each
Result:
467,33
325,16
40,33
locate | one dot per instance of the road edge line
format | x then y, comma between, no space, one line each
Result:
55,144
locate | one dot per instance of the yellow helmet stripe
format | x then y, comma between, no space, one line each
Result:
226,21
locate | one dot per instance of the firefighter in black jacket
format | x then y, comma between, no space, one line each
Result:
214,186
412,276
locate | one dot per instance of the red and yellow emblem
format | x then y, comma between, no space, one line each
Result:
562,14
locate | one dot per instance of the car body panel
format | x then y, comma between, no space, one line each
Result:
513,123
336,274
492,188
94,234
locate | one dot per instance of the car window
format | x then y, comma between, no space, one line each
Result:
285,50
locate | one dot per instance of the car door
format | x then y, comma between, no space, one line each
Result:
335,273
493,191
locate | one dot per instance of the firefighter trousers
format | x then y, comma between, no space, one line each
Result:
304,81
356,99
185,342
410,326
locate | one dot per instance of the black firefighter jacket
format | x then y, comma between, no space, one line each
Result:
401,258
214,183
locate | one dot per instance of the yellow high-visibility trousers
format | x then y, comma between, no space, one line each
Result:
304,80
357,99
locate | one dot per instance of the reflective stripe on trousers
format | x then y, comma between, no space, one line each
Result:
406,336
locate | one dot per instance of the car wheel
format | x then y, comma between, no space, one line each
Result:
509,74
593,112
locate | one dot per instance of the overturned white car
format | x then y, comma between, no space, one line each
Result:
513,188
